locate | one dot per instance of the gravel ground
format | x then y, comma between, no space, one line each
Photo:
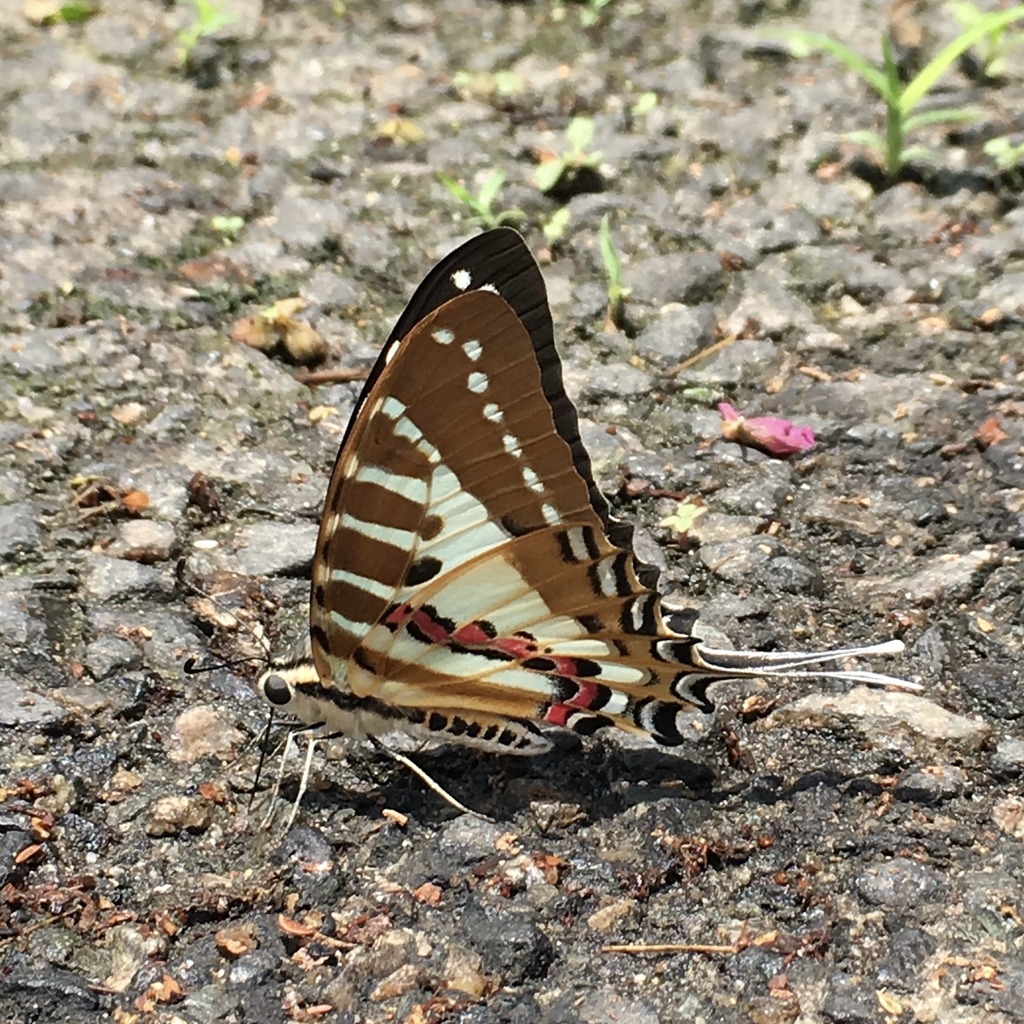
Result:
858,856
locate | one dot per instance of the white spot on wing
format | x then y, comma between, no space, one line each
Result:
577,544
532,480
404,427
639,607
391,407
489,288
493,413
511,443
462,279
550,515
443,336
477,383
473,349
606,576
391,352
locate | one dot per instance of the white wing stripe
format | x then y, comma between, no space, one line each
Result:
404,539
371,586
406,486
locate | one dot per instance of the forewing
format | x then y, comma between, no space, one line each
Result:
453,454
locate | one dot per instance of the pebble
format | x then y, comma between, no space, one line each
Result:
171,815
143,540
200,732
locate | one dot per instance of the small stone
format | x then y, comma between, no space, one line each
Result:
1008,814
881,713
931,785
172,815
109,655
1008,760
606,1006
463,971
400,981
942,580
605,919
274,549
200,732
109,579
19,531
901,884
87,700
469,838
20,706
144,540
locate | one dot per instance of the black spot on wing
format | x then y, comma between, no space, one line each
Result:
422,570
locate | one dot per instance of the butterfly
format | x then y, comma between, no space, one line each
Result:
469,582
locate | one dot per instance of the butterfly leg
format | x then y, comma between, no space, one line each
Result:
431,784
312,739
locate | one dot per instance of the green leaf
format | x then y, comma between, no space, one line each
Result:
459,191
865,138
227,225
645,104
554,227
942,115
579,133
924,81
610,257
921,153
490,188
77,11
853,60
547,175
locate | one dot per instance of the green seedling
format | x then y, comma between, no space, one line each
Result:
995,43
644,104
211,16
227,226
558,171
591,14
49,12
901,99
482,204
1008,156
554,227
617,294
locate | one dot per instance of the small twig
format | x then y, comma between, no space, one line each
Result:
339,375
702,354
670,947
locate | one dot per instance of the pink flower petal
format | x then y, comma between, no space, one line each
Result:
769,433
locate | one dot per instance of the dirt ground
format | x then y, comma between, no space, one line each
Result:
841,855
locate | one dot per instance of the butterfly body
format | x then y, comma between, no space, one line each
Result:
468,580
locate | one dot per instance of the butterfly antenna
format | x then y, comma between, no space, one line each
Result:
192,667
431,784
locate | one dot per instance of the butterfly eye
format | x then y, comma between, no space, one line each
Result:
277,691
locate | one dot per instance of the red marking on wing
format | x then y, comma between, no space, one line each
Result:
472,635
558,714
584,696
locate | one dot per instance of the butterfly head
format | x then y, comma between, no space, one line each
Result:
291,685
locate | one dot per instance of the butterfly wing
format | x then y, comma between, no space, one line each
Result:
454,452
500,261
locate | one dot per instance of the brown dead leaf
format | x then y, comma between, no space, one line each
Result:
135,502
990,433
427,893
